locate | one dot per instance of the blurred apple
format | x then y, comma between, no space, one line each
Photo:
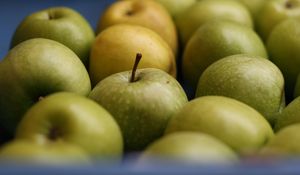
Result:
284,50
238,125
207,10
176,7
289,115
286,142
32,70
142,106
253,80
254,6
115,48
61,24
216,40
274,12
187,148
146,13
57,153
72,119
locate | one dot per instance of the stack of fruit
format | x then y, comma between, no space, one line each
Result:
189,81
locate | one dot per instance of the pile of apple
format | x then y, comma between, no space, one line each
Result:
194,81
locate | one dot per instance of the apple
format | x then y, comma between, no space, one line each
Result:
187,148
146,13
236,124
208,10
254,6
286,142
33,69
65,117
114,49
142,101
250,79
283,47
176,7
216,40
274,12
57,153
61,24
289,115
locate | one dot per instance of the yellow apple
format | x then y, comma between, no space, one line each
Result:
146,13
115,48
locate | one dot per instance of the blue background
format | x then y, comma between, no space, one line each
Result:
11,14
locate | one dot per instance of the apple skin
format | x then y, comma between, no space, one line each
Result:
58,154
33,69
254,6
289,115
286,56
238,125
76,120
253,80
176,7
207,10
141,108
115,48
187,148
274,12
146,13
61,24
216,40
286,143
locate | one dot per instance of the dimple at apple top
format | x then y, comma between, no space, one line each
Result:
13,11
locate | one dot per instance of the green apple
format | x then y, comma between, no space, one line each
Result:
254,6
238,125
283,47
114,50
57,153
61,24
143,105
208,10
253,80
188,148
146,13
33,69
273,13
286,142
176,7
216,40
70,118
289,115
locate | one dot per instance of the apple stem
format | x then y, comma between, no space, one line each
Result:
54,134
51,16
137,60
129,13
